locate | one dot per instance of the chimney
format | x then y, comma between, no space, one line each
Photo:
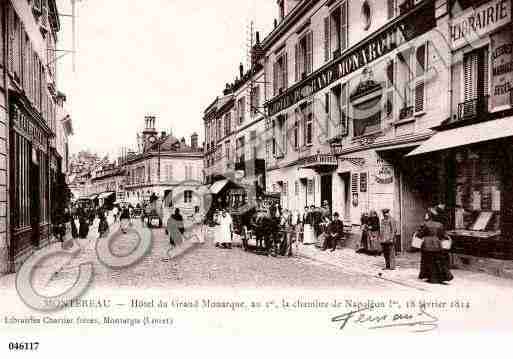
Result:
258,37
227,90
194,140
241,70
275,23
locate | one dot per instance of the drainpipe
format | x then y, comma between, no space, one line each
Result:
10,259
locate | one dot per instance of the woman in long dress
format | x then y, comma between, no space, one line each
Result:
434,265
83,230
373,233
308,230
198,231
226,230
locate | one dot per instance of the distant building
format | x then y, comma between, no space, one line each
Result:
164,166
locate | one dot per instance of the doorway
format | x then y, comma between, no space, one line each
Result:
35,200
327,190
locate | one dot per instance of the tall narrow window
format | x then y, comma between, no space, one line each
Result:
280,80
391,9
327,111
389,90
255,100
296,129
227,124
476,87
338,29
327,33
304,56
241,109
421,61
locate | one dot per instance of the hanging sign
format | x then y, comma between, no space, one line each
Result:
502,70
384,174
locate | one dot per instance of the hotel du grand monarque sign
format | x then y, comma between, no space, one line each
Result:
377,45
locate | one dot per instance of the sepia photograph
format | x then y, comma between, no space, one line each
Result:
254,168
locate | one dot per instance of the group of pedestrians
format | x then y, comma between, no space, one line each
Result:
379,236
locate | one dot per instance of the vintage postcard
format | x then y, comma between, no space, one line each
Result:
281,168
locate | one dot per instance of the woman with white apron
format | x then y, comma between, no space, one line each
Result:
198,231
308,230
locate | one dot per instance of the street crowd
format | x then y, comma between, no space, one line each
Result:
276,231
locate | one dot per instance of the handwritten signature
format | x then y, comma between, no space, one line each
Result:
419,322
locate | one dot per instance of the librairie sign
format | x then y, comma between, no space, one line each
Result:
476,23
379,44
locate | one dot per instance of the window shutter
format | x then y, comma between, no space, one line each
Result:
343,25
419,81
309,52
482,69
285,71
390,9
296,60
275,78
419,96
469,65
343,125
326,38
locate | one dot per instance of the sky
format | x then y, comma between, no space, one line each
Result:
169,58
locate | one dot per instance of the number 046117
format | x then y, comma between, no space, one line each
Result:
23,346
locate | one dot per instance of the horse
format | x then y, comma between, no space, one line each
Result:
265,227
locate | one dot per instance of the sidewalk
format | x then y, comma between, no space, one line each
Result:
406,272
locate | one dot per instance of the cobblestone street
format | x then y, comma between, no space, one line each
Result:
193,264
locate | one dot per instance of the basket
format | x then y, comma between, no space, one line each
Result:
416,242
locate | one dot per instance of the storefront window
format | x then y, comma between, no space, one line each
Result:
477,188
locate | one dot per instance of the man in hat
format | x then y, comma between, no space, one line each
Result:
388,233
335,232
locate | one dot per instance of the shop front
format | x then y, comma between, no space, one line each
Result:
30,168
477,161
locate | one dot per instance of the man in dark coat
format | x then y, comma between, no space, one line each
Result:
335,232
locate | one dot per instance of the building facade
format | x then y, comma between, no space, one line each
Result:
165,167
360,94
29,124
473,146
354,85
235,130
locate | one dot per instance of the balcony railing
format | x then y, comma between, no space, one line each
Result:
319,160
406,112
473,109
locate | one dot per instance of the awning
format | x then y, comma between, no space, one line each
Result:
479,132
218,186
105,195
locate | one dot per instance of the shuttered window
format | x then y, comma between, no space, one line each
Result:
391,6
390,89
280,74
327,39
476,74
297,59
309,52
421,63
343,124
354,183
343,26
